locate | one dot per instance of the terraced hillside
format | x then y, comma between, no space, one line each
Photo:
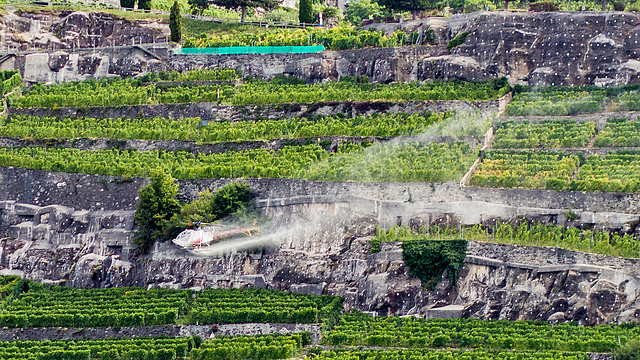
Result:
560,150
368,219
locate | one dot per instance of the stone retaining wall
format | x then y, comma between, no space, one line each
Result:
213,111
95,192
125,332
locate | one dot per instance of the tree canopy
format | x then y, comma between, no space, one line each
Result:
158,203
198,5
244,4
305,13
408,5
175,22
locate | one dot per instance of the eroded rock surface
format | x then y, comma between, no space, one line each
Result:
320,247
542,49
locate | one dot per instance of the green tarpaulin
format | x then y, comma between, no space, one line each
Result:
250,50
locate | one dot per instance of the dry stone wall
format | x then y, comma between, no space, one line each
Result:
204,331
96,192
212,111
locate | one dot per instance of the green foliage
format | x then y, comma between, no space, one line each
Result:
211,10
449,354
488,336
106,349
457,41
249,347
629,351
411,161
506,168
191,129
195,211
523,233
562,101
117,92
217,74
619,132
615,172
175,23
330,12
428,260
233,200
283,14
406,162
359,10
408,5
130,4
198,6
340,38
547,133
305,12
216,306
51,306
244,4
158,203
144,4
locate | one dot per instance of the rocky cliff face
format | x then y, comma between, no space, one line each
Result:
542,49
320,244
59,30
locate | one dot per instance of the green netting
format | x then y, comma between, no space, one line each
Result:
250,50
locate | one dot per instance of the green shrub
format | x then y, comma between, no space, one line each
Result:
175,23
629,351
457,41
429,259
157,205
305,14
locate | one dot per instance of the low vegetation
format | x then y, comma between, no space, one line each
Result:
363,162
548,133
615,172
555,101
35,305
332,39
118,92
193,129
529,336
521,232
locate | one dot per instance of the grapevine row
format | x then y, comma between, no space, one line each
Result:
118,92
548,133
615,172
358,330
341,38
46,306
380,162
193,129
565,133
556,101
524,233
265,347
